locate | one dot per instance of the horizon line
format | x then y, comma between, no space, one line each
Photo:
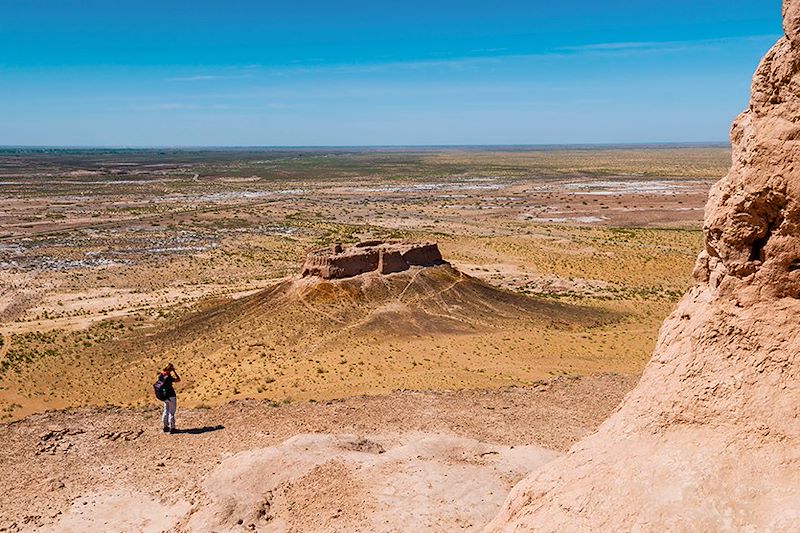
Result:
361,146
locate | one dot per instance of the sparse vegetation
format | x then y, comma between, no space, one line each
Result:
112,280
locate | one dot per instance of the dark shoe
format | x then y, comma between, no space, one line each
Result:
171,430
165,430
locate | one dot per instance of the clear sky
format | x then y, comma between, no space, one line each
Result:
268,73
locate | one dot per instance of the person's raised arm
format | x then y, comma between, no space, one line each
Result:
171,370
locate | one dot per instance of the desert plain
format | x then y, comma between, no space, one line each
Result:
565,262
99,248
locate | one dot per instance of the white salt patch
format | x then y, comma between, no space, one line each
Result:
572,220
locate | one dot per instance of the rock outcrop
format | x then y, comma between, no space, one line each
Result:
323,482
337,261
709,440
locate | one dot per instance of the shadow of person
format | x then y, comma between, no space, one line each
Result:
198,431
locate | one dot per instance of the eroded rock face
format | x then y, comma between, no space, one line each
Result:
752,217
710,438
337,261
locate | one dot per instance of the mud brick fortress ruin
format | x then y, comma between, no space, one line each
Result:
338,261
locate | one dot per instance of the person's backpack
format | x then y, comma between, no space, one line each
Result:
160,388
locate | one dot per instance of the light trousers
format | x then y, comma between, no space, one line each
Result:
168,414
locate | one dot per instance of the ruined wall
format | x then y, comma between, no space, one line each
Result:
336,262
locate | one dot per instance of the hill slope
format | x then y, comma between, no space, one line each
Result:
315,339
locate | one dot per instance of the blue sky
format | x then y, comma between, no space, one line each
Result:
264,73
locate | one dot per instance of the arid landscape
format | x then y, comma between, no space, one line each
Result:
107,255
560,265
384,304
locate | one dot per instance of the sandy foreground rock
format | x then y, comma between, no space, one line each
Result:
408,461
710,438
323,482
422,482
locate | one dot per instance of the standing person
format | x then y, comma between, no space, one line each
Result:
170,400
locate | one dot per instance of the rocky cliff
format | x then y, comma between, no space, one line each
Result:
710,438
337,261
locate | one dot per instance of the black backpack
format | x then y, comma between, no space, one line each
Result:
160,388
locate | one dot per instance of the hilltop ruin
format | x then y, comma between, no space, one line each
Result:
345,261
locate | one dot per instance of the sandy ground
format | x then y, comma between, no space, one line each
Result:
438,460
102,255
429,329
98,251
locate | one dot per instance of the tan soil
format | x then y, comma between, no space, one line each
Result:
114,468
